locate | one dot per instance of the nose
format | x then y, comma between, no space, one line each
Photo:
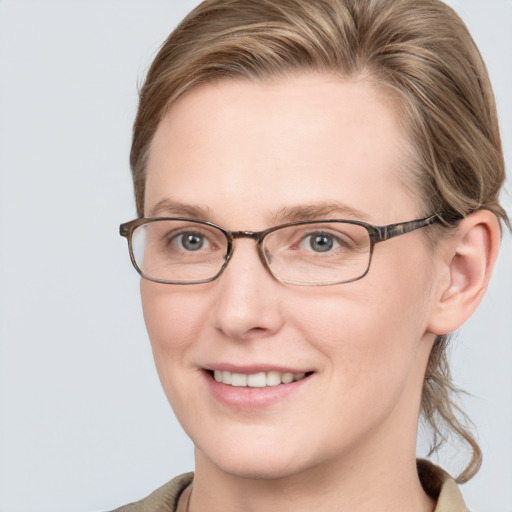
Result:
248,301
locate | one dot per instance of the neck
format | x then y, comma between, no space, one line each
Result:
370,484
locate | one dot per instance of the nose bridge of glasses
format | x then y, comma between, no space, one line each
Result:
254,235
257,236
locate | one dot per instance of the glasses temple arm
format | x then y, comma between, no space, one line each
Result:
400,228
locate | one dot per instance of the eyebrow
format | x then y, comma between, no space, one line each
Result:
169,207
322,210
297,213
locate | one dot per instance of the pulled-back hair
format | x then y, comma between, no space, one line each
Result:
418,49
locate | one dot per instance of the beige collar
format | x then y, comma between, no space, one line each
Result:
441,487
438,484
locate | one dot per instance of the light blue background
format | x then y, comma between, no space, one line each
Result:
84,425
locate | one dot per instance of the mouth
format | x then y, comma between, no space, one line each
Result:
257,380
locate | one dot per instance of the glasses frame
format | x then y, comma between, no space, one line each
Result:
377,234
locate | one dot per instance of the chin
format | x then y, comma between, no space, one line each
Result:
257,459
257,467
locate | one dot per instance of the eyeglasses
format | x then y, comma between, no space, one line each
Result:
177,250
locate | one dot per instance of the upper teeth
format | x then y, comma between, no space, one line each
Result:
256,380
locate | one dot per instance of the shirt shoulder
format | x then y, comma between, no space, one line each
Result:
437,483
164,499
440,486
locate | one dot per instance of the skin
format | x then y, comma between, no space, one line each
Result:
345,439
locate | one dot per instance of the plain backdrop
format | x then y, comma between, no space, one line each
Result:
84,425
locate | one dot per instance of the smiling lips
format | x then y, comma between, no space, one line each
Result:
256,380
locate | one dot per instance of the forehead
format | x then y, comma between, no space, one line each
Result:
235,146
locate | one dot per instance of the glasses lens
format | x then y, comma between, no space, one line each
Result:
318,253
178,251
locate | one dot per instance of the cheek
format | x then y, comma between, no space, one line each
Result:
353,332
370,330
173,321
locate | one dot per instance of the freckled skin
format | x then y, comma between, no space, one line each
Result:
244,150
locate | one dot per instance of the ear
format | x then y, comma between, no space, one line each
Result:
467,262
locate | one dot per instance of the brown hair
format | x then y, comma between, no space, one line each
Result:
420,49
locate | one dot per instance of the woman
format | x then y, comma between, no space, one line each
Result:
317,189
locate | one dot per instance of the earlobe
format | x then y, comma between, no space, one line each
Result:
469,258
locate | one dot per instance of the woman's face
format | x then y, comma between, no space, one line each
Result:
248,156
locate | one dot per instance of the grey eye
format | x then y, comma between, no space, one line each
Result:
321,242
191,241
